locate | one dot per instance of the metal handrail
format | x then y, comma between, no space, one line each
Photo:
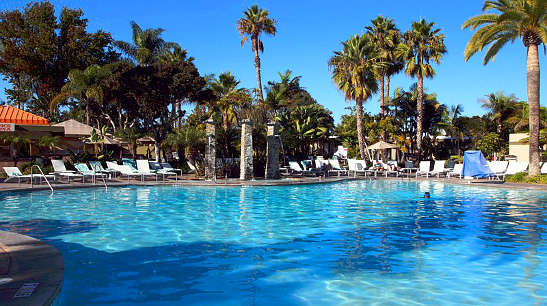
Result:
43,175
95,176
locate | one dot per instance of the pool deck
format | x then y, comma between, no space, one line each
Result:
28,262
191,181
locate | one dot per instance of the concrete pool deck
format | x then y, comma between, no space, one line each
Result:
31,271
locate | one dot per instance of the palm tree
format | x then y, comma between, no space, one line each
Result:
387,38
254,23
448,124
422,45
86,86
504,21
354,70
147,47
225,88
500,107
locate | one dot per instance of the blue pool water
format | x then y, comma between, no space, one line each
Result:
343,243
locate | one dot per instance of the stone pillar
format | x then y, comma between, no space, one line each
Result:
210,150
272,152
246,162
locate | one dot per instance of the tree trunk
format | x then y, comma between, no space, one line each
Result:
532,73
360,132
258,77
87,113
419,120
386,94
157,151
382,89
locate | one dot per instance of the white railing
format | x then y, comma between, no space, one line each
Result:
43,175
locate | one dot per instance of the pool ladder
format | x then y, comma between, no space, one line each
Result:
102,176
32,177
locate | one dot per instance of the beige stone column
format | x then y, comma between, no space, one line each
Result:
246,161
272,152
210,150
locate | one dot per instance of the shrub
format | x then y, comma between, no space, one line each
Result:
521,177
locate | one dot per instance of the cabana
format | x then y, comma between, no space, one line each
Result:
475,165
382,146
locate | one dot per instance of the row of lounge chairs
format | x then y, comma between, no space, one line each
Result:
499,169
139,169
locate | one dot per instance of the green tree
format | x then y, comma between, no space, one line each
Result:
147,47
490,144
504,21
423,44
387,38
253,24
230,99
502,109
86,86
38,50
354,70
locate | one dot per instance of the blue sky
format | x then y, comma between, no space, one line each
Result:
308,33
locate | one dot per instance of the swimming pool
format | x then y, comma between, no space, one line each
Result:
355,242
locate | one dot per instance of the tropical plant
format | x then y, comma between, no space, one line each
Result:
490,144
16,143
504,21
422,45
253,24
131,135
147,46
387,38
501,109
230,98
86,86
448,124
354,70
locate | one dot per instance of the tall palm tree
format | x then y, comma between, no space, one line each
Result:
504,21
354,70
254,23
387,38
147,46
84,85
423,44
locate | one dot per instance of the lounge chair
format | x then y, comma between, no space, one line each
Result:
307,165
127,171
544,168
60,170
498,167
357,166
457,171
514,167
191,166
295,168
144,167
131,163
112,166
97,166
409,167
168,168
424,168
85,171
392,164
438,168
15,173
336,168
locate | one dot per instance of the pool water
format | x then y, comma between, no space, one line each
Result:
356,242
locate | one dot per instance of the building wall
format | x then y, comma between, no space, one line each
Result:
518,148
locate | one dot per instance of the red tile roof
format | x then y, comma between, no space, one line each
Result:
10,114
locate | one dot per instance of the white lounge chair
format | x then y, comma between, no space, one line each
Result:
457,171
59,169
544,168
97,166
295,168
15,173
85,171
514,167
168,168
424,168
392,164
336,168
127,171
357,166
144,167
438,168
191,166
498,167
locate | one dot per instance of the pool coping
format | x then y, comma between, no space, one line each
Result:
24,259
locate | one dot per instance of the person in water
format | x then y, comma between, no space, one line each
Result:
427,195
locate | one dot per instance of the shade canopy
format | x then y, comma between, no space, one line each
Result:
382,145
10,114
75,128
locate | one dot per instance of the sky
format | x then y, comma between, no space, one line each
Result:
308,32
